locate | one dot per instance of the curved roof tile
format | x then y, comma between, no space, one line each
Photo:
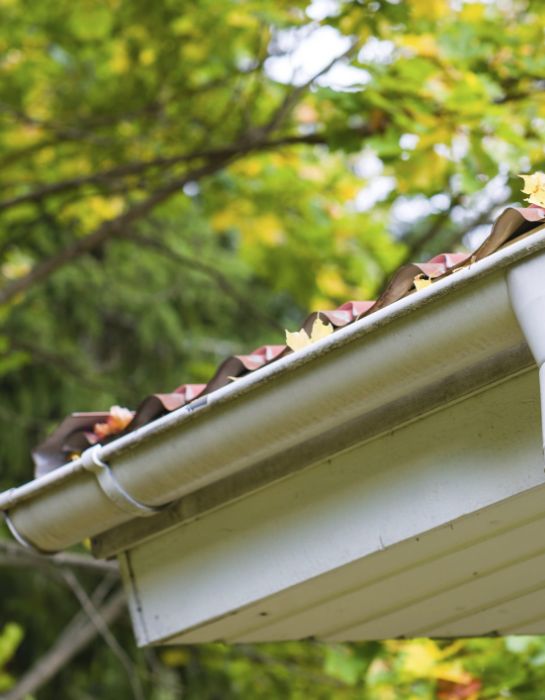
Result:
75,433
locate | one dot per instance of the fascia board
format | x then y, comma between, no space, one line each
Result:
362,537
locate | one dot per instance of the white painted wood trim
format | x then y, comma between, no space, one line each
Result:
280,562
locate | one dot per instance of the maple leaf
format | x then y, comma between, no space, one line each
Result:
301,339
421,282
116,422
534,185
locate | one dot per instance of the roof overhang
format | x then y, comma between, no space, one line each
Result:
433,529
369,397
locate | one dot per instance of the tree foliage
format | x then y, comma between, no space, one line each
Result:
177,184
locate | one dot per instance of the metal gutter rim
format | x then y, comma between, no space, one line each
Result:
344,337
501,259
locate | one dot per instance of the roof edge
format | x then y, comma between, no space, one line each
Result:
285,403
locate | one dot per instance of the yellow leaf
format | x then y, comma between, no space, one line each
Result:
224,219
320,330
348,190
240,19
301,339
420,44
320,302
421,282
46,156
195,52
178,656
430,9
331,283
251,168
234,216
297,340
146,56
183,25
452,672
119,62
473,12
420,656
534,185
268,228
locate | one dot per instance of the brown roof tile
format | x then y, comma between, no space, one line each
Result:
75,433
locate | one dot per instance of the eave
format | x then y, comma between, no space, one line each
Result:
399,372
429,348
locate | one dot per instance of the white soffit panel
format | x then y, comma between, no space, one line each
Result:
419,531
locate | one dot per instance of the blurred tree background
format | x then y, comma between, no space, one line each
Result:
181,181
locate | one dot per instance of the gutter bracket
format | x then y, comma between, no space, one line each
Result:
111,487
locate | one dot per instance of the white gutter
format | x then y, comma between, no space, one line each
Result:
458,323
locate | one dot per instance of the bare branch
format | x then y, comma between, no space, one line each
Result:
484,217
12,554
427,237
79,633
109,229
62,362
295,94
117,227
103,177
245,145
97,619
210,271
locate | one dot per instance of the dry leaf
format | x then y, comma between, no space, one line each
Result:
421,282
300,339
116,422
534,185
320,330
297,340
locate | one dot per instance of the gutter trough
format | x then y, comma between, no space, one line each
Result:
451,339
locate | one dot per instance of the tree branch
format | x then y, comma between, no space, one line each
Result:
12,554
95,616
421,241
76,636
103,177
117,226
435,227
53,359
199,266
241,147
437,223
483,218
295,94
107,230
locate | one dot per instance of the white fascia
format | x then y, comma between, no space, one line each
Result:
451,339
526,284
